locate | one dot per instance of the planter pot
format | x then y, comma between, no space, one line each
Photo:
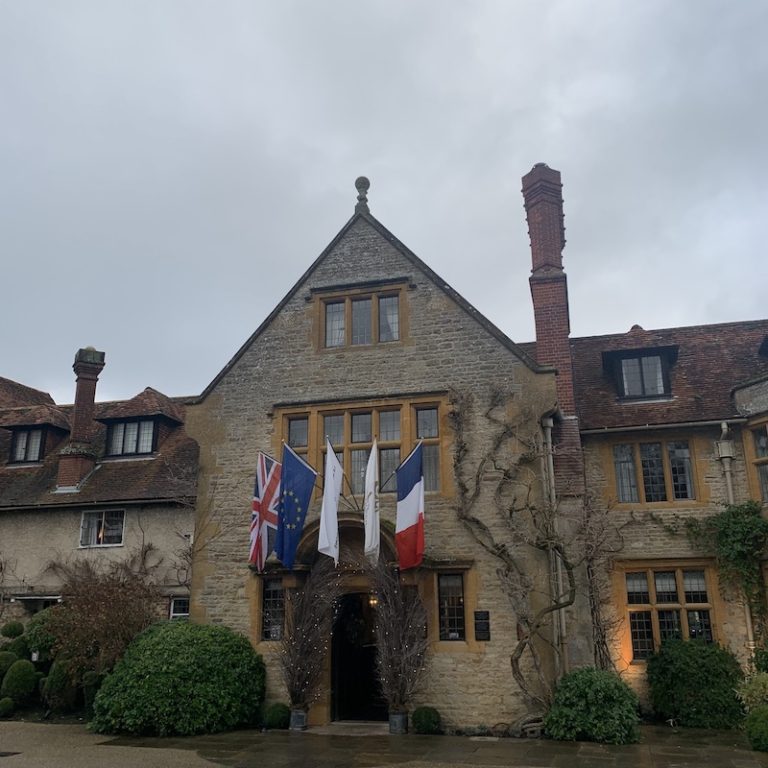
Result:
398,722
298,720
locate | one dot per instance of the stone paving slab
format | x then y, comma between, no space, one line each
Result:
42,745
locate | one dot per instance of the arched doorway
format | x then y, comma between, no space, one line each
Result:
355,690
351,684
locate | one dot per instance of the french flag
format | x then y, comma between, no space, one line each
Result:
409,528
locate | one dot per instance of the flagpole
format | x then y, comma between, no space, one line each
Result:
394,471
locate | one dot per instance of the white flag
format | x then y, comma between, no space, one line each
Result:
328,541
371,506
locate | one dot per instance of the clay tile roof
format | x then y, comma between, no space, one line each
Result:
34,415
13,395
711,361
150,402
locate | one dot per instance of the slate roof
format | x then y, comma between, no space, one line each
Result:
711,361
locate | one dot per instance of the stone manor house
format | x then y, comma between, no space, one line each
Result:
557,474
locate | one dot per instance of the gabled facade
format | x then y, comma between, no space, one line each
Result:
371,343
92,482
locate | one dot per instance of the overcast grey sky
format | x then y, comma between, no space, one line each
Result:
169,169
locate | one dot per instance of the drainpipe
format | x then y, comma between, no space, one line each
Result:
559,628
725,453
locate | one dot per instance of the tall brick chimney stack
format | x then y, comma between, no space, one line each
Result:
542,192
78,458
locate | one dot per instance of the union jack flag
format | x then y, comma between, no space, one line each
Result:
266,498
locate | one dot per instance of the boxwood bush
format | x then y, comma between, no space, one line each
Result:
6,659
18,646
182,678
593,705
753,692
695,684
20,682
59,692
6,706
426,720
756,727
277,716
12,629
38,635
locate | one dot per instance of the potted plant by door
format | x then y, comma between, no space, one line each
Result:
304,645
401,642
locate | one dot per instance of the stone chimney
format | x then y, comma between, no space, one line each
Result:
78,458
542,192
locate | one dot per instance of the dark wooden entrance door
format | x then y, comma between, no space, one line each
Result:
355,692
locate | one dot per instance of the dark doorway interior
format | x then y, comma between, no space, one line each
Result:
355,693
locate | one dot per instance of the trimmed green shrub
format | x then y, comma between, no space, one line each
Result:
426,720
695,684
38,635
6,659
593,705
753,692
18,646
756,727
277,716
12,629
20,682
182,678
6,706
59,691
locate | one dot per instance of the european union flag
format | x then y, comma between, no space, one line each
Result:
296,483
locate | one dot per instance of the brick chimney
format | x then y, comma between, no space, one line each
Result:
78,457
542,192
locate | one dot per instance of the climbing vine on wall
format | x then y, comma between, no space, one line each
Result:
738,536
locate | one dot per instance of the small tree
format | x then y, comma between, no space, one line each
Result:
308,624
101,612
401,638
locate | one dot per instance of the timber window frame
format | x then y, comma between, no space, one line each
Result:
27,445
654,471
131,437
665,601
178,610
641,374
397,424
361,315
102,528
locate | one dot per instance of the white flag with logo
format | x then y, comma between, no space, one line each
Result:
328,541
371,506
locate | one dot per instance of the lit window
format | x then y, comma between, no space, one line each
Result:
361,320
272,610
179,608
102,529
667,604
450,596
27,445
665,470
128,438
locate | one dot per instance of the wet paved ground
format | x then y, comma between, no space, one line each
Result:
71,746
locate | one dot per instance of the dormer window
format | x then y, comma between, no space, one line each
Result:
130,438
27,445
642,373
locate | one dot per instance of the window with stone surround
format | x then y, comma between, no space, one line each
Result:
272,609
179,608
27,445
361,315
396,425
760,442
653,471
450,599
667,602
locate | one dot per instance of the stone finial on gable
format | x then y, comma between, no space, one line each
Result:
362,185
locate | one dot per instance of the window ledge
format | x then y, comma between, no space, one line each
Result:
645,400
99,546
129,457
23,464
